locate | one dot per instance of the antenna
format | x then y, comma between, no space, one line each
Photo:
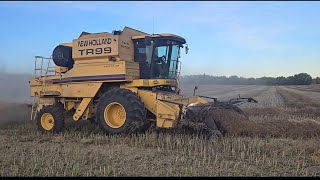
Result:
152,24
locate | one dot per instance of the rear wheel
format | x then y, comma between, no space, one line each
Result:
51,119
121,111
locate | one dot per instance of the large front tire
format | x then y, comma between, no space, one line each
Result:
121,111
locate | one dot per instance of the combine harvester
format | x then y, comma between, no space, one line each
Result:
123,81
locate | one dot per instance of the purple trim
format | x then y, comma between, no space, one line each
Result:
89,78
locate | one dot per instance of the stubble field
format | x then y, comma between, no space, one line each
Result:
280,138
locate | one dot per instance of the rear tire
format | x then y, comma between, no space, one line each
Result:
121,111
51,119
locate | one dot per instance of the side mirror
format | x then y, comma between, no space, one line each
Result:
187,48
194,90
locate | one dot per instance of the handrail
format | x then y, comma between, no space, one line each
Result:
43,74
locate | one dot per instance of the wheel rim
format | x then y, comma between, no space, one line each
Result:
115,115
47,121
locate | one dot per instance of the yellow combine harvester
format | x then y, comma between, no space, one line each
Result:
123,81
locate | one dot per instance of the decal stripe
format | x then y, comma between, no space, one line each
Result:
90,78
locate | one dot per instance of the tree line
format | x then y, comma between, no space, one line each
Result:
297,79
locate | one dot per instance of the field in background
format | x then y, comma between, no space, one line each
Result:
281,138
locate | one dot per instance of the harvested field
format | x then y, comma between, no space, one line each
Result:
279,138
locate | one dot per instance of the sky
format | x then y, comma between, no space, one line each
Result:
247,39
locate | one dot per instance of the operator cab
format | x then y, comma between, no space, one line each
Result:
158,55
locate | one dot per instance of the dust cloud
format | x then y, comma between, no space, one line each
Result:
14,97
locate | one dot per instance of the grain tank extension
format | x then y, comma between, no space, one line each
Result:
123,81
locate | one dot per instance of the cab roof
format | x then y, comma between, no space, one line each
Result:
175,37
136,34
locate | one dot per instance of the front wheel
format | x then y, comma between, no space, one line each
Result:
51,119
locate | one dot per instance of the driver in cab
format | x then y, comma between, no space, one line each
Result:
161,65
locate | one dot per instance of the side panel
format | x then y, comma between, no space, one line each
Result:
167,114
95,68
126,46
103,45
149,99
95,46
126,50
81,90
151,83
100,70
132,70
35,88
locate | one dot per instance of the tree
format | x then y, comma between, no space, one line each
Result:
290,81
302,79
251,81
297,79
317,80
280,80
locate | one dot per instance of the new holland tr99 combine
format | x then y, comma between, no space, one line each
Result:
123,81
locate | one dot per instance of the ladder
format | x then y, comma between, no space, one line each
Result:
41,73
